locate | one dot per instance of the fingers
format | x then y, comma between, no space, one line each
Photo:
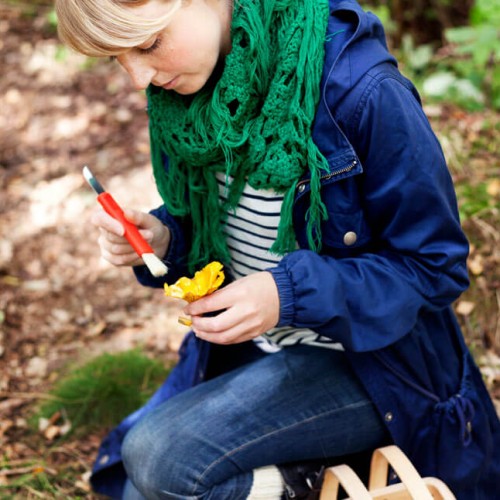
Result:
151,229
120,260
250,307
113,245
222,329
217,301
228,327
102,220
114,238
222,322
140,219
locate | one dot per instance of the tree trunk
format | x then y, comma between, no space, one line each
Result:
425,20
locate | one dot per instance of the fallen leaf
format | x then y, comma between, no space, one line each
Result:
83,483
42,285
5,425
10,404
11,280
96,329
465,308
476,265
493,188
51,432
36,367
50,429
43,423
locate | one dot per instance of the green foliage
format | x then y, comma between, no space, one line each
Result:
446,85
478,42
474,200
40,482
484,12
51,18
416,60
105,390
467,71
478,53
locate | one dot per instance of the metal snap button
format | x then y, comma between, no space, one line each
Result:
389,417
104,459
350,238
301,188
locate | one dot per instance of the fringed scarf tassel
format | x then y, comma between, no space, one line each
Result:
253,124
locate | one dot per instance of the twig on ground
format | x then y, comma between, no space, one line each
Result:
31,469
497,332
28,395
487,229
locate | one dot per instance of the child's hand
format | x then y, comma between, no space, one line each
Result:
250,307
116,249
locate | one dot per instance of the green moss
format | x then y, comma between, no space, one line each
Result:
102,392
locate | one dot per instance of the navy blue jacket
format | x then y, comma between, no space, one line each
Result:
393,261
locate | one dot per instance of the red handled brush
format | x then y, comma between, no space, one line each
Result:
138,243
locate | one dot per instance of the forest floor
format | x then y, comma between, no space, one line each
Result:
59,303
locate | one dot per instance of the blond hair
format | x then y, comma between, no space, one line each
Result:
107,27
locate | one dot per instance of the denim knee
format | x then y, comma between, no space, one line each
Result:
141,456
137,456
153,458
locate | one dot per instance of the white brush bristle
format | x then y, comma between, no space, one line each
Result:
154,264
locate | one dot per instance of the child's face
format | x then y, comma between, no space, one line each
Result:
183,56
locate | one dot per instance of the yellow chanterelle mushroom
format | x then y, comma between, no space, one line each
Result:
203,283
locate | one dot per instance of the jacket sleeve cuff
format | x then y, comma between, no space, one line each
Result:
285,292
175,258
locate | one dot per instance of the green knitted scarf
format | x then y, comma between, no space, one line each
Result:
254,124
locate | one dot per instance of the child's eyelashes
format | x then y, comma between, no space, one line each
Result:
155,45
147,50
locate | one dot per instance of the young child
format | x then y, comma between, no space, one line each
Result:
287,145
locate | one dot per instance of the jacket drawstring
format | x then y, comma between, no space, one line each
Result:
465,413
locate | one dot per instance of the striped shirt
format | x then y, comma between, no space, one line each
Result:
250,230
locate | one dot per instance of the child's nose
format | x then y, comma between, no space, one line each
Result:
140,74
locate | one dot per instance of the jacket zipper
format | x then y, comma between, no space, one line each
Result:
331,174
341,171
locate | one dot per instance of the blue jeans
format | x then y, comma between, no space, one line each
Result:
299,404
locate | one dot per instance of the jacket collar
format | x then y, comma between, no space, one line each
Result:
355,42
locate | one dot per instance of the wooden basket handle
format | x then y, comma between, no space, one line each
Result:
344,475
393,456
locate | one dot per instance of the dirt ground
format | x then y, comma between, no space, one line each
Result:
58,301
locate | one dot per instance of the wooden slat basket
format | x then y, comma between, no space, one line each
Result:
411,487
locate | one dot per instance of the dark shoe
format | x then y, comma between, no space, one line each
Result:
303,481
